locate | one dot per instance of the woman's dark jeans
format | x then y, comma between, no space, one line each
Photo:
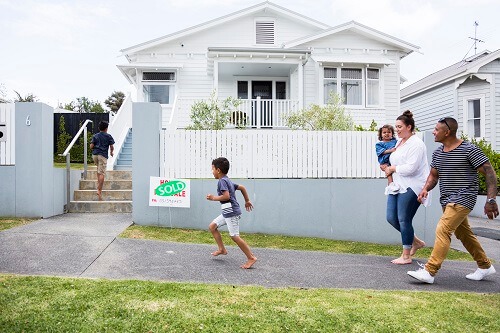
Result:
401,208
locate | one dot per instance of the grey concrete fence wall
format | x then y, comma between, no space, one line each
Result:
33,187
344,209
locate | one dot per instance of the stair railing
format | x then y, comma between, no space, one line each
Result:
68,166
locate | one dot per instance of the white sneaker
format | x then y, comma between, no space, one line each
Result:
422,275
481,273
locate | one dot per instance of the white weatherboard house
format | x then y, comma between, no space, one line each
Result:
275,60
468,90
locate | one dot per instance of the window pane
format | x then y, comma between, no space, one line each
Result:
477,111
330,73
158,76
280,90
372,73
372,92
243,89
330,87
157,93
351,73
477,128
351,92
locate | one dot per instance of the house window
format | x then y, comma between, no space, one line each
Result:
473,121
243,89
372,86
355,86
159,86
264,32
280,90
351,85
330,83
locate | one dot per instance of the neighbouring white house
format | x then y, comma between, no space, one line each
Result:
468,90
275,61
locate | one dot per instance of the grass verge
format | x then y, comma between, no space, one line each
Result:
50,304
11,222
278,242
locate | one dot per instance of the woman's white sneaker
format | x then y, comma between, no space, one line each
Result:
481,273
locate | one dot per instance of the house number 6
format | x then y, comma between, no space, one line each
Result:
28,121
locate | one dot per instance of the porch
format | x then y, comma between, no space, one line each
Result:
253,113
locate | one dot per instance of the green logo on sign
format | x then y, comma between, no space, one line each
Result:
170,188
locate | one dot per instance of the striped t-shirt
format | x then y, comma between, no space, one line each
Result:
457,169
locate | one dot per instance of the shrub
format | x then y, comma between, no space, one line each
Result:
492,155
331,117
213,114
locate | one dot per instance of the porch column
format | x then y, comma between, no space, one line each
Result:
301,85
216,78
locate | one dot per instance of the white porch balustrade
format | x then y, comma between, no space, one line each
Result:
251,113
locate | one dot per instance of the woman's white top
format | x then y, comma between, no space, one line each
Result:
412,168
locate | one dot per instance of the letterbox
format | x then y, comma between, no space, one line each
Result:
3,131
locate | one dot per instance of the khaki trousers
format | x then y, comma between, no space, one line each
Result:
454,220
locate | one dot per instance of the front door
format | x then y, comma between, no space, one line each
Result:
264,90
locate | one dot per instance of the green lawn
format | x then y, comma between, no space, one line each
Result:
11,222
279,242
51,304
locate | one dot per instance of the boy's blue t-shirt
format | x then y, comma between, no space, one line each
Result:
102,141
382,146
229,208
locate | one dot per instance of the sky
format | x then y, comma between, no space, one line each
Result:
61,50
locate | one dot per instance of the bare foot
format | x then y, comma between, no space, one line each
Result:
218,252
401,261
415,246
99,196
249,263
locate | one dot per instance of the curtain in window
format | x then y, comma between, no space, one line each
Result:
351,90
329,84
158,93
372,87
474,118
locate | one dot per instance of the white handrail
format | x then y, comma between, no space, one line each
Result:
67,155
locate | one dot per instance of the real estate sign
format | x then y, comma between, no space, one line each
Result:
169,192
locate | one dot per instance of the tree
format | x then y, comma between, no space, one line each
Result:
115,101
63,140
331,117
212,114
3,94
28,98
83,104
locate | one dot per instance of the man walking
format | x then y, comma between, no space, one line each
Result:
100,144
456,164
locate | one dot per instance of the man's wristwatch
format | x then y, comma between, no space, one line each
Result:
491,201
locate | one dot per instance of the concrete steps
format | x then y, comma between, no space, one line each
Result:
116,193
124,158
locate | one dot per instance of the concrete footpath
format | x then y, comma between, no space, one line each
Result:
86,246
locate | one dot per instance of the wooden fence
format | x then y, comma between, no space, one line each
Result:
270,153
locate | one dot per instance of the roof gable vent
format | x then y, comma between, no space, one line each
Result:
264,32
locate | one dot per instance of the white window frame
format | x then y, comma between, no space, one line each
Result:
367,80
482,118
364,79
170,83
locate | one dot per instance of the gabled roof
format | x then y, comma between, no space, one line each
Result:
460,69
406,47
266,5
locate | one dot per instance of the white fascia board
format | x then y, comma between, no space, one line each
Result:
353,59
221,20
366,31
